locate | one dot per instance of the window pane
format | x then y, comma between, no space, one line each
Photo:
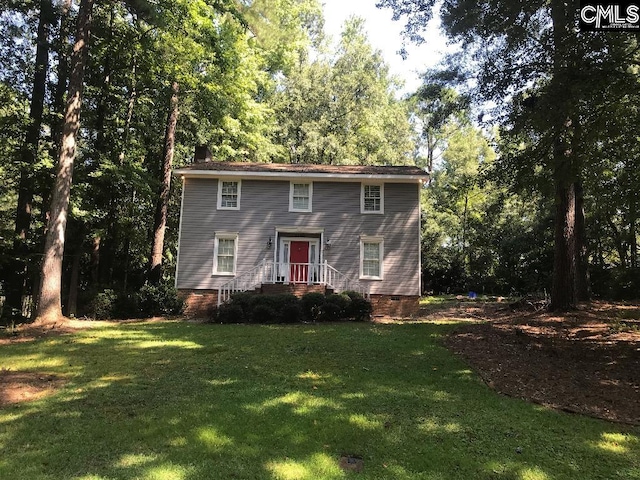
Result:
229,194
371,259
300,190
225,264
372,198
225,247
226,250
371,251
300,196
371,204
301,203
371,268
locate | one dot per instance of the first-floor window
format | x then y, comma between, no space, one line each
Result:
371,255
224,254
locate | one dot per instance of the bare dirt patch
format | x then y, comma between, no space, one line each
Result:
587,361
18,387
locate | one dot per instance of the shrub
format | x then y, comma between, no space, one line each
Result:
287,308
330,312
244,301
125,306
291,313
102,305
228,313
264,314
359,309
311,304
277,302
341,301
160,299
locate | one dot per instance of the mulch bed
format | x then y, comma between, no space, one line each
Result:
585,362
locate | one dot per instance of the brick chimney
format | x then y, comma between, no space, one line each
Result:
202,154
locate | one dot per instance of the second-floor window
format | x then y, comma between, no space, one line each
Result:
372,198
229,194
300,197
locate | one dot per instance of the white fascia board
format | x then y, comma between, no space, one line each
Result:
288,176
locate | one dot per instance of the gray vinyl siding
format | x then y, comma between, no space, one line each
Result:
336,209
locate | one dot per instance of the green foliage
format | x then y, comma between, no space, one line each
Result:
615,283
341,109
341,301
360,309
330,312
103,305
291,313
311,305
149,301
228,313
287,308
263,313
158,300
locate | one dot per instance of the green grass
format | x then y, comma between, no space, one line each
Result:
178,400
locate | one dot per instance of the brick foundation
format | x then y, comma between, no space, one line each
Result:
396,306
198,303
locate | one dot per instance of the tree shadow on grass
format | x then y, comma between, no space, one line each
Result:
190,401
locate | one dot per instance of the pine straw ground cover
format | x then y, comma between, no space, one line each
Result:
586,361
179,400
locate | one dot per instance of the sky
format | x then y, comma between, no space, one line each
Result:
385,35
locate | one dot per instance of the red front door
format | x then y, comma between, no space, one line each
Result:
299,259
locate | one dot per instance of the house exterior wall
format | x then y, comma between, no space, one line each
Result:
264,207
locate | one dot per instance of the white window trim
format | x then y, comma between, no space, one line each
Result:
236,180
291,208
372,212
372,239
216,239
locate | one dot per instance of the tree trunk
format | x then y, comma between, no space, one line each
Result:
583,290
160,219
101,146
563,292
95,260
618,242
50,305
63,73
130,106
72,303
633,214
17,269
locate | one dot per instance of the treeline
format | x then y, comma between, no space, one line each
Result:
530,131
556,209
255,81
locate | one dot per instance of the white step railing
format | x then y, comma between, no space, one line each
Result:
339,282
290,273
260,274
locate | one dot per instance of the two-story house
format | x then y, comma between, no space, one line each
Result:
293,227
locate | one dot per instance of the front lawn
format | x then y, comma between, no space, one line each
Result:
173,400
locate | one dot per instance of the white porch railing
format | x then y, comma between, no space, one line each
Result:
290,273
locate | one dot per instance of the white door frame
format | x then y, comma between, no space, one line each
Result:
283,263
